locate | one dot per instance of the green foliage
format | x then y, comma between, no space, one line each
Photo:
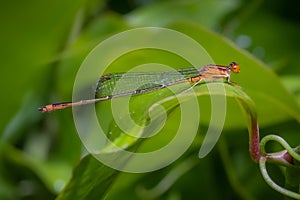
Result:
43,45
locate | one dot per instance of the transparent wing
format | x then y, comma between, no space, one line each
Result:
138,82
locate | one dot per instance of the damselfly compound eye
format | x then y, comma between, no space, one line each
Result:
235,68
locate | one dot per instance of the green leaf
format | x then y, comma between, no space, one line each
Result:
91,180
193,11
269,44
90,174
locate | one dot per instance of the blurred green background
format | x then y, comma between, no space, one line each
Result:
44,42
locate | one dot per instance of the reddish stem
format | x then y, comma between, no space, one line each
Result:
254,146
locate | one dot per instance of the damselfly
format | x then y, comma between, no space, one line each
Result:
153,81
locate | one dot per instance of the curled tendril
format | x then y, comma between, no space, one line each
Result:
286,158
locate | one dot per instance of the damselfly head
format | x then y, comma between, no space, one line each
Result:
234,67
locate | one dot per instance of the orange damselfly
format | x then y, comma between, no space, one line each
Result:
153,81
